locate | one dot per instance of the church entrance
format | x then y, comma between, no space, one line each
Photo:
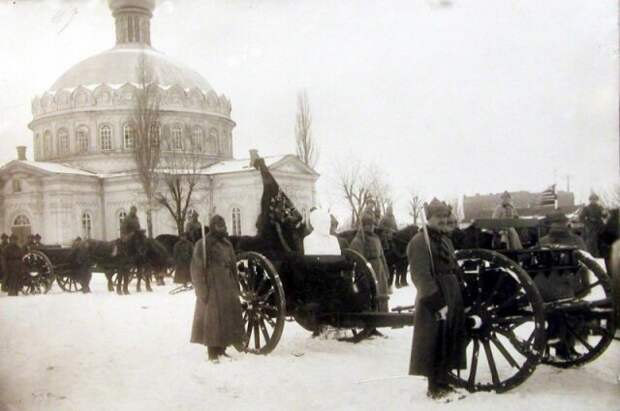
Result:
21,228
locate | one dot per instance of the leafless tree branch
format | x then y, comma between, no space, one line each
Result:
307,148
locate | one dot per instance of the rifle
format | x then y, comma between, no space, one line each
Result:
427,240
204,247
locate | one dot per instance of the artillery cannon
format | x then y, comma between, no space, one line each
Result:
524,307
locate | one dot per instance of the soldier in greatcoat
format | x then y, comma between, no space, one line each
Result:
506,209
182,254
368,244
3,274
593,218
439,338
13,254
218,320
193,228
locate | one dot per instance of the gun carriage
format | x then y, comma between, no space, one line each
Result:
524,307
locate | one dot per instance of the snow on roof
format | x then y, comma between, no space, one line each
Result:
56,168
236,166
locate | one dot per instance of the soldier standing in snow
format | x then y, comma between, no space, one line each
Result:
218,320
505,209
439,337
13,254
368,244
182,254
3,273
593,218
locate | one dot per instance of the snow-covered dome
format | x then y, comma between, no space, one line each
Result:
86,118
118,66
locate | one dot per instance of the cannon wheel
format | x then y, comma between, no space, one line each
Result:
365,286
38,273
68,283
263,303
587,333
508,338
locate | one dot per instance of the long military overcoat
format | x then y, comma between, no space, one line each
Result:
437,346
369,245
592,216
217,316
14,267
182,254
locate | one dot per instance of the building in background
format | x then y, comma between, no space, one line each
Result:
526,203
83,181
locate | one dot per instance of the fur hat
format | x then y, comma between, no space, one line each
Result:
506,196
593,197
436,208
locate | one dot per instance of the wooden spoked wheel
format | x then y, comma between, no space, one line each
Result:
262,301
38,276
580,329
68,283
506,323
364,287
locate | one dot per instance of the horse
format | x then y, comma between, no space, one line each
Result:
114,257
395,251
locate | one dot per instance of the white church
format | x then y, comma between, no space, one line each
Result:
82,180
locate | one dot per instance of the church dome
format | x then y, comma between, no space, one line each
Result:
117,66
87,117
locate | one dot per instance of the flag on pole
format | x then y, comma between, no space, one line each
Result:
549,197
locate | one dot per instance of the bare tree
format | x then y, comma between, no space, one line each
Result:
358,183
180,174
415,205
611,197
144,121
307,148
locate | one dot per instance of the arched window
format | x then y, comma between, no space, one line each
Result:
177,137
87,225
48,144
121,216
63,142
105,137
82,139
155,134
213,142
17,185
21,228
129,137
236,221
197,139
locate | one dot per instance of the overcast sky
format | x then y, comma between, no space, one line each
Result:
454,98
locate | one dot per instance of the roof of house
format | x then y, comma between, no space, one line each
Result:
222,167
49,167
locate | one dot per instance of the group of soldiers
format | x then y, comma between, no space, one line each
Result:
439,339
11,266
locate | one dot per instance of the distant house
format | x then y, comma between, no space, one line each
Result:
526,203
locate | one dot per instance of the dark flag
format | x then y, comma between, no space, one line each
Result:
279,221
549,197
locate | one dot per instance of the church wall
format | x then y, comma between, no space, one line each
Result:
98,160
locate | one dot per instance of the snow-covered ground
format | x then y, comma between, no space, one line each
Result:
101,351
